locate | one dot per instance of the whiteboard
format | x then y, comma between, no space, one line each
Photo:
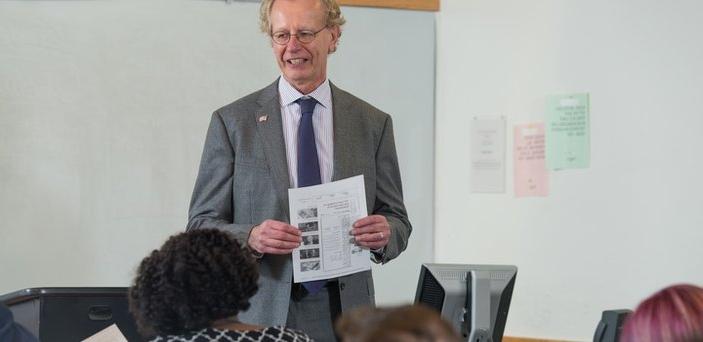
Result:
104,108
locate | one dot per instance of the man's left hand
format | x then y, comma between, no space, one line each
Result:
372,231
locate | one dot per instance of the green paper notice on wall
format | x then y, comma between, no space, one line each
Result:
568,132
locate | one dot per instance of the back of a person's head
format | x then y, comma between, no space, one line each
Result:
195,278
411,323
674,314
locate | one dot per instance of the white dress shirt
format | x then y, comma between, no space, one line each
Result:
322,124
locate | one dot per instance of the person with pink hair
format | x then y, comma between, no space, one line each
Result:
673,314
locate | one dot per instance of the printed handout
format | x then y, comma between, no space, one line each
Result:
324,214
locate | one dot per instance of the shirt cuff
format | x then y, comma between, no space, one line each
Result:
256,254
378,254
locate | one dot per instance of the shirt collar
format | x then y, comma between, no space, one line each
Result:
288,94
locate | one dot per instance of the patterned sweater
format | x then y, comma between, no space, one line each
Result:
270,334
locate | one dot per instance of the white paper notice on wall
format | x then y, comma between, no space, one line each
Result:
487,134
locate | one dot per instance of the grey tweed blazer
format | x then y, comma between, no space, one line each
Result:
243,180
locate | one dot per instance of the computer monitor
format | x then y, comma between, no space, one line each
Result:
473,298
610,325
71,313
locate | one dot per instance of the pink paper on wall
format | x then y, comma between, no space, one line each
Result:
530,169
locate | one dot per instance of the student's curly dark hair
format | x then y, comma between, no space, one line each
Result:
196,278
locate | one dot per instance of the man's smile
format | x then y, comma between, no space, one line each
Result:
296,61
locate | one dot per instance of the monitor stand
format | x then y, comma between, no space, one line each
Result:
478,306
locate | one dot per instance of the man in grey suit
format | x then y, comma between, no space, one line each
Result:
274,139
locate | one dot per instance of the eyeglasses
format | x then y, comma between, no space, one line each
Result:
282,37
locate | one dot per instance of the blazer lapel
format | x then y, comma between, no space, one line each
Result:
269,125
343,121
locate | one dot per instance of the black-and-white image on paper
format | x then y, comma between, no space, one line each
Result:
305,227
307,213
311,240
325,214
309,253
306,266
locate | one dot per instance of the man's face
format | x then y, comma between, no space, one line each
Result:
304,65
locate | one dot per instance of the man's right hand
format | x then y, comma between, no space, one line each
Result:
274,237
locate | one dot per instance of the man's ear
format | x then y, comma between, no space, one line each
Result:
336,33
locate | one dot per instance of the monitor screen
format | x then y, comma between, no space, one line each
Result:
473,298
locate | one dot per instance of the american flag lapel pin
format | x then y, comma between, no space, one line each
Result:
263,118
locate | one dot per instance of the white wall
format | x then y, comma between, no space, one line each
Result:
608,235
104,107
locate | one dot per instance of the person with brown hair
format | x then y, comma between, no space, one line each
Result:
192,289
410,323
673,314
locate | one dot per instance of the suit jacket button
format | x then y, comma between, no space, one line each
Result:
341,286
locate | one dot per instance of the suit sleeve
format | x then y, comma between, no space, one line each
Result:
211,204
389,195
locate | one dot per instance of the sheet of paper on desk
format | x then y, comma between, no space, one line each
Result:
109,334
324,214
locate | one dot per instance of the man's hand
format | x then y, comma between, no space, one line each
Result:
274,237
372,231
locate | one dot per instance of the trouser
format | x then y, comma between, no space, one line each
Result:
315,314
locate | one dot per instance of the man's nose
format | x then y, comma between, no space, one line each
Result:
294,43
